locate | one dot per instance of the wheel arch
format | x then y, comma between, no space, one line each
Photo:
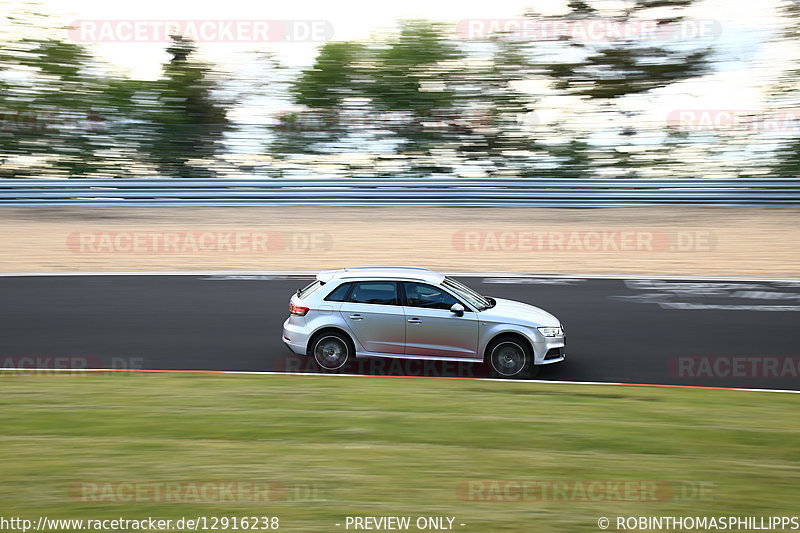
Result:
329,329
519,337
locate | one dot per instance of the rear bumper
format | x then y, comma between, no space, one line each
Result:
295,338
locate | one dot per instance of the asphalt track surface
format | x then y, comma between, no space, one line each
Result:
700,333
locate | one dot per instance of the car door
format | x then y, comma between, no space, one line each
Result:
375,317
432,329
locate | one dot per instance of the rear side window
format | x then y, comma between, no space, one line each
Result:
374,292
308,289
339,294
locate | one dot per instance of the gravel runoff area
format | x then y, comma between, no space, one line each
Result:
670,240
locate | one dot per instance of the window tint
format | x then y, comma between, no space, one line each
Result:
428,296
339,293
374,292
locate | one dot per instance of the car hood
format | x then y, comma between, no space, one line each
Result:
519,313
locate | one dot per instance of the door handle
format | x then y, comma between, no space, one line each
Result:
356,317
414,321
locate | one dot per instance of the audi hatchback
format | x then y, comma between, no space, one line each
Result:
415,313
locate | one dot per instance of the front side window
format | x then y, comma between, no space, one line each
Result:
428,296
374,292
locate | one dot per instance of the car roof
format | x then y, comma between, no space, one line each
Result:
381,272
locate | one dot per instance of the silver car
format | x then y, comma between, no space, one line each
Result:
415,313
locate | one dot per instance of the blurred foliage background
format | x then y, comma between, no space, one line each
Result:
419,101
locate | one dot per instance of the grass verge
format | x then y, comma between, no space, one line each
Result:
400,447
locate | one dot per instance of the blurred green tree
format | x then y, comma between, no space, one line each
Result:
64,114
394,89
183,121
787,96
324,89
644,50
335,76
55,106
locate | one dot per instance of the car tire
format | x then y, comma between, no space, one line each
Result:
332,351
509,358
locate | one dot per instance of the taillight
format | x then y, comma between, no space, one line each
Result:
296,310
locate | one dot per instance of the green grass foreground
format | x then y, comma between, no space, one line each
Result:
402,447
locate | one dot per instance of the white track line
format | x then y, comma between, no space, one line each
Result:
259,373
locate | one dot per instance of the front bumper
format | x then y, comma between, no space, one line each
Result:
552,350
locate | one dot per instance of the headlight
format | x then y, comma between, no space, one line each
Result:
551,332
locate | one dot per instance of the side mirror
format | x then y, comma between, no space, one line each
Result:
457,309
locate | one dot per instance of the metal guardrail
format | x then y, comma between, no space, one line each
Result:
487,192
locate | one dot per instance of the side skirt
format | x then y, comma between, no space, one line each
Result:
420,357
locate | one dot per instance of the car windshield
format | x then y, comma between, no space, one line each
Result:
472,297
